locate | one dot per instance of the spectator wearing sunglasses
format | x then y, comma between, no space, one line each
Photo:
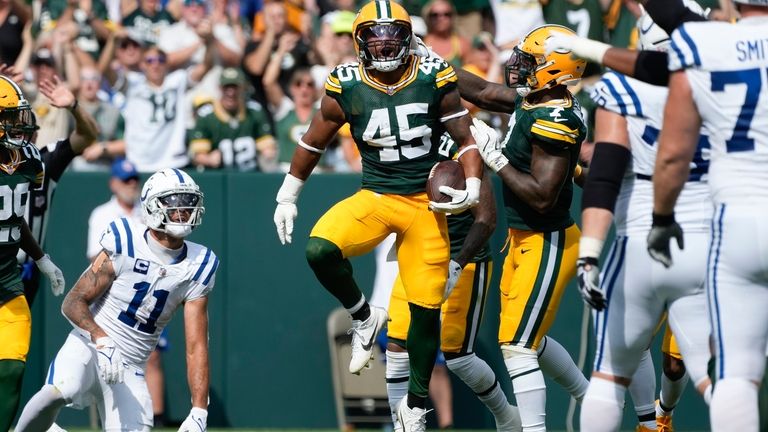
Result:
156,114
441,33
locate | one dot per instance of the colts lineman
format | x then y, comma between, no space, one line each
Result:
121,304
719,79
536,163
20,170
634,292
397,105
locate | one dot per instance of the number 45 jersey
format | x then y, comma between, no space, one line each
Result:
727,68
146,293
396,127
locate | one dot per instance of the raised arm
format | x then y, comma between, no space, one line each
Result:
486,95
86,129
93,283
271,76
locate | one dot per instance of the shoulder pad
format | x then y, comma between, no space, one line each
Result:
204,263
615,93
557,125
683,53
340,75
118,238
434,66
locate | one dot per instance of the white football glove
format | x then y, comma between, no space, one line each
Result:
53,273
286,210
460,199
110,361
196,421
419,48
587,49
489,144
454,272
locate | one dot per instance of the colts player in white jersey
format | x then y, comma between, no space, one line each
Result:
634,292
719,78
121,304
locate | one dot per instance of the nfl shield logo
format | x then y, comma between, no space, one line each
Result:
162,271
390,90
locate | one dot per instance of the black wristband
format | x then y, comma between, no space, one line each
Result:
663,220
74,106
588,261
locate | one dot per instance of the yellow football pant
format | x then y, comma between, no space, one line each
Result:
669,344
358,223
15,329
536,270
461,313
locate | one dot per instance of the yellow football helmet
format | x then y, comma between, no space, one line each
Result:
530,69
382,35
17,122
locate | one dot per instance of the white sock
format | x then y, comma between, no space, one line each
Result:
734,406
603,406
41,410
476,374
528,384
671,392
557,364
397,379
643,391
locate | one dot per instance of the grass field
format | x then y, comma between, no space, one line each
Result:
303,430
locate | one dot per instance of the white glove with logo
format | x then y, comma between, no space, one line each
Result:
454,272
489,144
196,421
110,361
286,210
587,49
53,273
460,199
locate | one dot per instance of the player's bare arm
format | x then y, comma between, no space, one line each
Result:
549,171
677,144
611,132
28,243
486,95
326,122
458,128
93,283
482,228
196,333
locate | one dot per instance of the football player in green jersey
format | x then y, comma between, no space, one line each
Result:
235,135
397,105
536,162
20,170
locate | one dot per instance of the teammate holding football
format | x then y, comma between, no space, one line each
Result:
724,88
397,105
634,293
536,163
21,170
462,311
121,304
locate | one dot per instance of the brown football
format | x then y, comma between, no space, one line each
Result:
446,173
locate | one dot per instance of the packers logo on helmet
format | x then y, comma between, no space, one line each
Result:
17,123
530,69
382,35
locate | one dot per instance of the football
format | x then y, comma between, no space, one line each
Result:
446,173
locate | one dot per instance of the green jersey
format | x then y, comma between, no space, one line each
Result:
459,224
585,17
557,124
396,127
236,137
22,173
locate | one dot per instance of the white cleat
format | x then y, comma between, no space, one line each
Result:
411,419
510,421
363,337
56,428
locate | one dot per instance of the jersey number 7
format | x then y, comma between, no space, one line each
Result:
752,78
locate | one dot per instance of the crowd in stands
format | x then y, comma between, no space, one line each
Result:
233,84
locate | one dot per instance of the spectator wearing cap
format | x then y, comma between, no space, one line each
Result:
156,111
148,20
260,51
14,15
335,44
120,64
124,184
110,144
236,134
440,17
